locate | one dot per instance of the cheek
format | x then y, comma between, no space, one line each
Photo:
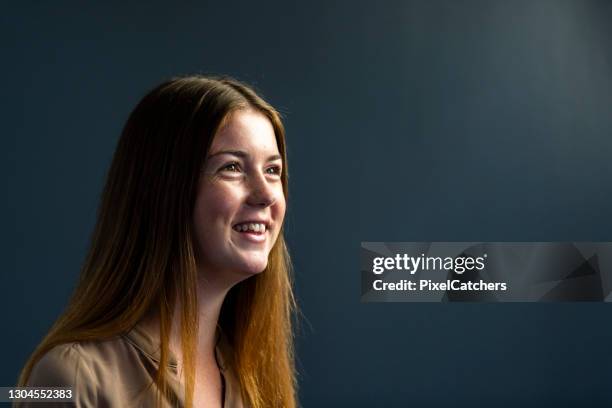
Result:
282,208
215,204
279,209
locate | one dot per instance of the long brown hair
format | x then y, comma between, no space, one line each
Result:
142,254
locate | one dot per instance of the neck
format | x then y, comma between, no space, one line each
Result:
211,294
210,299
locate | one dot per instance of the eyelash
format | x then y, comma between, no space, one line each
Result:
276,169
227,166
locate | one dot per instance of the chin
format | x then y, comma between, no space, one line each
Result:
250,262
253,267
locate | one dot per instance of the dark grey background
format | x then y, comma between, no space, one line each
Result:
407,121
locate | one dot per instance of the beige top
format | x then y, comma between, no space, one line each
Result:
119,372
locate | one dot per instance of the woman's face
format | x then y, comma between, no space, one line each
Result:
240,203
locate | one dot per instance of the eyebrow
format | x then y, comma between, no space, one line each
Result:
242,154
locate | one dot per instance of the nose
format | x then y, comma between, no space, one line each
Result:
261,193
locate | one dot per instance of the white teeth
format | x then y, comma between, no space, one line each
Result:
250,227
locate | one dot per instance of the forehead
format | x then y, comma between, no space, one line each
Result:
246,129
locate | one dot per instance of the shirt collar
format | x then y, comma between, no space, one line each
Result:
140,338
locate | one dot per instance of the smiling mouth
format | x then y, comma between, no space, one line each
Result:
257,228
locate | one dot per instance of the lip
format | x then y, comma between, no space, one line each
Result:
254,221
252,236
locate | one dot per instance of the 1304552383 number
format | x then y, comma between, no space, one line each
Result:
47,394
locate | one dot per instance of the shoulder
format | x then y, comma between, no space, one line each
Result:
62,366
90,368
92,360
67,365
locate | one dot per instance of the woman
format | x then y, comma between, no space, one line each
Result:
185,296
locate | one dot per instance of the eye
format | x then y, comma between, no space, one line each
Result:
274,170
233,167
